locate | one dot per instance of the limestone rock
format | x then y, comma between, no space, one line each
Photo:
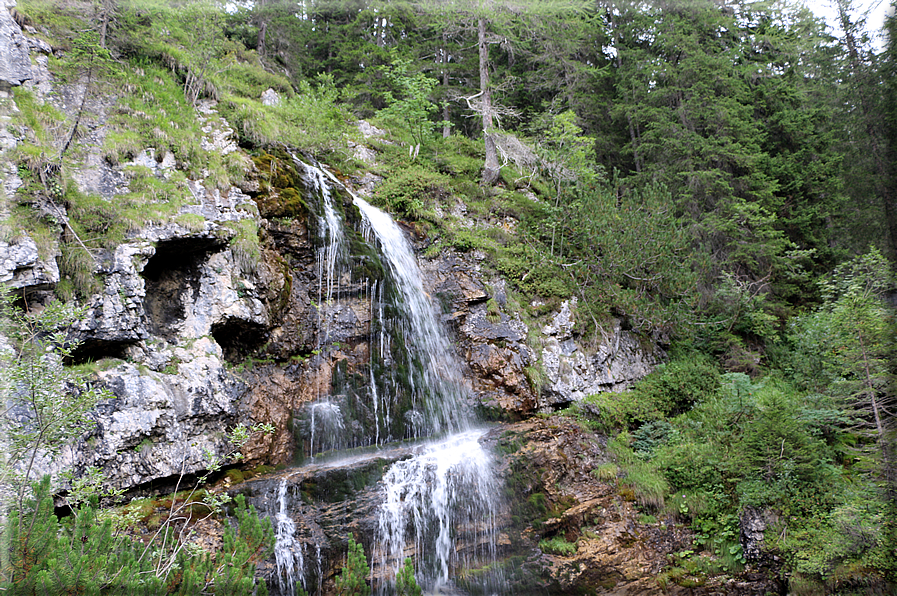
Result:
218,136
575,371
15,63
21,265
368,130
270,97
492,342
161,425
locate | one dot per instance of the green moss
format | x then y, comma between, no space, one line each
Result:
234,476
280,184
262,469
191,221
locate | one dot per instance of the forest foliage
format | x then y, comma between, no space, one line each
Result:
718,175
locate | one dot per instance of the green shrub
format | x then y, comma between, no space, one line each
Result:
610,412
460,156
466,239
406,584
412,192
675,387
87,554
652,435
557,546
352,580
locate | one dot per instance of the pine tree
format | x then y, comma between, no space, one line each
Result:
406,584
352,579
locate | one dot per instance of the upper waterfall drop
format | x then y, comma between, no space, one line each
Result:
439,382
330,228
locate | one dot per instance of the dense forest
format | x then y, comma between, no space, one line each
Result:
719,174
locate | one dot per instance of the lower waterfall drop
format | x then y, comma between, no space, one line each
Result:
446,489
288,552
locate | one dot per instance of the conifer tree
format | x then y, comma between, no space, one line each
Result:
406,584
352,580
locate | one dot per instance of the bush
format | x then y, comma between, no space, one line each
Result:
557,546
610,412
352,580
406,585
412,191
675,387
86,553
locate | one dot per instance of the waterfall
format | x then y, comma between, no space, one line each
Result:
448,486
330,230
436,385
288,551
445,489
413,388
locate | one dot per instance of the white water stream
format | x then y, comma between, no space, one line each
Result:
289,553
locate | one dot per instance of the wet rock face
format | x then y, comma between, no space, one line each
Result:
575,369
326,502
492,342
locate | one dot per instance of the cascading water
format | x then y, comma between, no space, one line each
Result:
330,228
436,384
448,486
445,492
289,553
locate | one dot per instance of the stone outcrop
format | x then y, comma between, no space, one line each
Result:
15,62
491,341
616,549
174,310
175,304
21,265
576,369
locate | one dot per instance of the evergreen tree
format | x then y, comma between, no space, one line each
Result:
406,584
352,580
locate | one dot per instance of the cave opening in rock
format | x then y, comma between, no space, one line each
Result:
172,279
238,338
94,350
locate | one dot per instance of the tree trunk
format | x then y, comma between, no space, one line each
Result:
262,19
491,167
446,127
260,44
